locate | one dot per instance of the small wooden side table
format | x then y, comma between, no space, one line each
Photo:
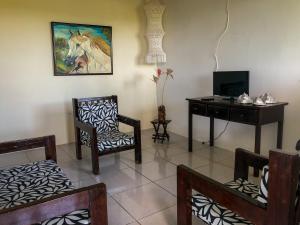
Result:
160,136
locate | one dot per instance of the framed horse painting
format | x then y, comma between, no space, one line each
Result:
80,49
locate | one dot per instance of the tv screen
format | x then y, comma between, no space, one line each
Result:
231,83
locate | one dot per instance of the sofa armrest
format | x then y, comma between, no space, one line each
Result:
93,198
245,159
19,145
129,121
188,180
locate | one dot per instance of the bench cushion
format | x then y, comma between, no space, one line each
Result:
34,181
78,217
108,140
213,213
245,187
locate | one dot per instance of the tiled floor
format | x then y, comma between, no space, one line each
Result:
139,194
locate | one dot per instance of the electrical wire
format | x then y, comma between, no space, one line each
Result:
217,60
219,135
222,35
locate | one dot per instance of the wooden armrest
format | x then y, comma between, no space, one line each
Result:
188,180
128,121
245,159
19,145
93,198
85,127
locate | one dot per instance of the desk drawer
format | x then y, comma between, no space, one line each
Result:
198,108
218,112
249,116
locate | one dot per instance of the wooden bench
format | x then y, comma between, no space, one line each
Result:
29,198
236,206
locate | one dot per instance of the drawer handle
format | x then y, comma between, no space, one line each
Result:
242,115
217,112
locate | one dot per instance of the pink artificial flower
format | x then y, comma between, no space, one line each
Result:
159,72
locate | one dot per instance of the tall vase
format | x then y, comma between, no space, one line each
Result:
161,113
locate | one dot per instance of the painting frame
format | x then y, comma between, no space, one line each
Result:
64,67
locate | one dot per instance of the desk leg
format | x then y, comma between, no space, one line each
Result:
190,131
212,131
257,145
279,134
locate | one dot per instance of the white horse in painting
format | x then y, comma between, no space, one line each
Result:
88,54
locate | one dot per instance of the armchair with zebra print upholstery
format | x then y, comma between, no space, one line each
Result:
96,122
274,202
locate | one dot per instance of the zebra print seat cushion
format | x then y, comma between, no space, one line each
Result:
30,182
109,140
213,213
78,217
245,187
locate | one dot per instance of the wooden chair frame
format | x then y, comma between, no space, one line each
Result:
283,179
93,197
136,124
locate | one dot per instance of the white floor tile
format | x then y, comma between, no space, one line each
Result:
189,160
156,170
145,200
165,217
128,158
169,184
116,214
121,180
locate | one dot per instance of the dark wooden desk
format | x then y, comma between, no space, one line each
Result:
240,113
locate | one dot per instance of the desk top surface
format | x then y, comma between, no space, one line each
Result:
220,101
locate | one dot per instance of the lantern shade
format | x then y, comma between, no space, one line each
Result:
155,33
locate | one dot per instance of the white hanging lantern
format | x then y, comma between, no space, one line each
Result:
155,32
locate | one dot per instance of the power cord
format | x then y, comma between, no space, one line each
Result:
219,135
217,60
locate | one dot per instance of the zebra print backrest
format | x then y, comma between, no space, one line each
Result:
263,189
100,113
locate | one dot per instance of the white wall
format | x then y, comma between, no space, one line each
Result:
32,101
264,37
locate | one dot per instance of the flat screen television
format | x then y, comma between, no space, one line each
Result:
231,83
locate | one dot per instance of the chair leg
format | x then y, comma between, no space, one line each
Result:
78,151
95,158
78,144
138,154
138,145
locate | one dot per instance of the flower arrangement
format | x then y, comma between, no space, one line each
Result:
168,73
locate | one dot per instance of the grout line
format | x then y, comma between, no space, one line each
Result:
131,188
166,190
118,203
151,182
158,211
